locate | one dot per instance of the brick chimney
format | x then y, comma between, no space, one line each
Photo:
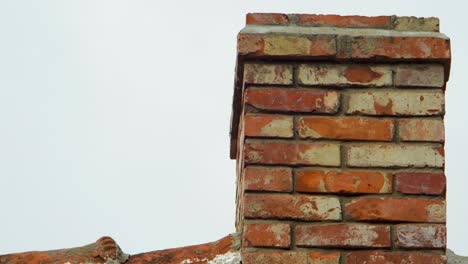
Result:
338,133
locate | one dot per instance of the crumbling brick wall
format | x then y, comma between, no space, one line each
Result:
339,139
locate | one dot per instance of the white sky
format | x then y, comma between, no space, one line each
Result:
114,118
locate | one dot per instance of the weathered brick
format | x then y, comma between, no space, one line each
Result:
254,45
296,207
383,22
421,236
348,181
250,44
420,75
293,100
422,130
343,236
274,257
381,257
266,235
261,125
289,45
396,209
286,45
268,73
353,128
291,153
273,179
344,75
395,155
420,183
396,103
266,19
396,48
324,258
416,24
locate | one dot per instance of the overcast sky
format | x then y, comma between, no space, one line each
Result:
114,118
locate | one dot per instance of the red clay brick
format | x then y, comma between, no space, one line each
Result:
256,45
380,257
334,75
261,125
268,74
292,100
383,22
420,183
296,207
422,130
416,24
291,153
420,75
331,181
274,257
353,128
343,236
324,258
421,236
266,19
322,46
250,44
268,179
396,209
398,48
395,155
266,235
396,103
290,257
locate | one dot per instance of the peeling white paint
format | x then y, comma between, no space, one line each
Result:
228,258
397,102
387,185
279,128
333,74
326,208
278,231
361,235
387,155
436,212
194,260
322,154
